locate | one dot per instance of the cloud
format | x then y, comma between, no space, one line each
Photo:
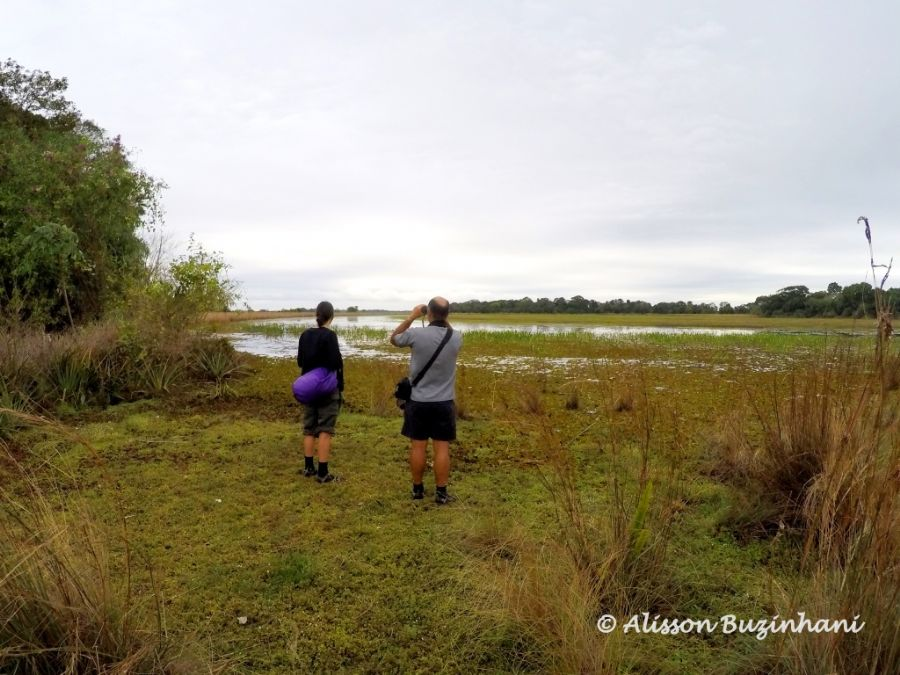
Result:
380,154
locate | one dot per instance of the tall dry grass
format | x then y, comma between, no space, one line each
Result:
820,460
542,594
820,447
68,603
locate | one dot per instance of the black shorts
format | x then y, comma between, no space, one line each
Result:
422,421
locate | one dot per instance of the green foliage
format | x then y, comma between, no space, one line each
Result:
581,305
103,364
856,301
218,361
69,377
199,279
638,532
295,571
12,400
177,294
71,205
159,375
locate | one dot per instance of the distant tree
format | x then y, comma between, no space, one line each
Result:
834,288
526,304
789,301
725,308
353,308
819,303
543,305
577,304
856,300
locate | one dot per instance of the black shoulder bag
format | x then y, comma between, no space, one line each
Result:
404,387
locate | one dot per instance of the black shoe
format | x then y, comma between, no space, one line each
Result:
327,478
418,495
308,473
444,498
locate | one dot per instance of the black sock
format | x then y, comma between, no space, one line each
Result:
308,463
442,490
419,488
323,469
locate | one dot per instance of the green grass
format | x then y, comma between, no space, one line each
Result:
281,574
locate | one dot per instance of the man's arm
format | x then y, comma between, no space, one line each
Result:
416,313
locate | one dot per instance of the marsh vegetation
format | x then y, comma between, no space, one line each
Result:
670,474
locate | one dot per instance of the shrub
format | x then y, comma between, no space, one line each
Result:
218,361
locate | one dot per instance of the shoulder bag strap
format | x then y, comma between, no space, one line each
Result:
433,357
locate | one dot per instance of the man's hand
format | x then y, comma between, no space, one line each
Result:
417,313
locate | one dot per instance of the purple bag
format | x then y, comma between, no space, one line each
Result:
314,385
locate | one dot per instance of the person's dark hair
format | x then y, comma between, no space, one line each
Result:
324,312
439,308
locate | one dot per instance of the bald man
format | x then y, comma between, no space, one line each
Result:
430,413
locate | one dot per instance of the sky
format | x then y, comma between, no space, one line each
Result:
378,153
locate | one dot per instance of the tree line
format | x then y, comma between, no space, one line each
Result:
856,300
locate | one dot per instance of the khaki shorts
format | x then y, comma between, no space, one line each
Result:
320,417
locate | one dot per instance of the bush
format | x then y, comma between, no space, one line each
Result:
102,364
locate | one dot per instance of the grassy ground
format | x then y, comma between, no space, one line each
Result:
279,574
680,320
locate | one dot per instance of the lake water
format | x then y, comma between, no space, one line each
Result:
286,345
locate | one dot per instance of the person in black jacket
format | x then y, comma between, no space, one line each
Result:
318,348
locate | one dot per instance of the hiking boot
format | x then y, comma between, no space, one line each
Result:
443,498
416,494
327,478
308,473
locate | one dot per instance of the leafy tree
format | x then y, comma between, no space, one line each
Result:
71,205
856,300
577,304
193,283
788,301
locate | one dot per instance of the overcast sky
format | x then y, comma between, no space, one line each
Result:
379,153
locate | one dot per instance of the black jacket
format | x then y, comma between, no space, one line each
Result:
318,348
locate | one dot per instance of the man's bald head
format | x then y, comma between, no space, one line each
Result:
439,308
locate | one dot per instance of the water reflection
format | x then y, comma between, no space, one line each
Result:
286,344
